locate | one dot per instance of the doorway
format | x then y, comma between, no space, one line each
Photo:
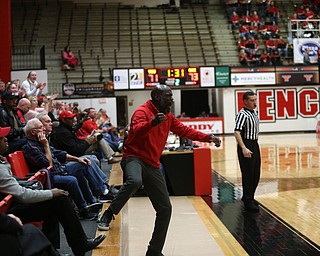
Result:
193,102
122,111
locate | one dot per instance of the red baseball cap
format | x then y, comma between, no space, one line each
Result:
66,114
4,131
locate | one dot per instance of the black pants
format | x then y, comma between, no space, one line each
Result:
51,211
250,169
137,173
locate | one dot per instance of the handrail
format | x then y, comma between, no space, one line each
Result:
300,30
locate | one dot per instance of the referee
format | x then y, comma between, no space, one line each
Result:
246,132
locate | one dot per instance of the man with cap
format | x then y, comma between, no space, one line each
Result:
99,189
63,138
10,118
48,206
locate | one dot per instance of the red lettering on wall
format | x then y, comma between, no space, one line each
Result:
286,104
308,77
266,105
286,78
308,102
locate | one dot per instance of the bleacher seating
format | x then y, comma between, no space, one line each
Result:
110,36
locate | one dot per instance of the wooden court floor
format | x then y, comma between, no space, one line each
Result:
290,178
289,190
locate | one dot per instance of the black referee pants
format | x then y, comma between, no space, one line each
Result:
250,169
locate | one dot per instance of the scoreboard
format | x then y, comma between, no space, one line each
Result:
173,77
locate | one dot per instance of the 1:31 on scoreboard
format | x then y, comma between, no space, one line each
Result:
173,77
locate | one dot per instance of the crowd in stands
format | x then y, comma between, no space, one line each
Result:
73,143
259,23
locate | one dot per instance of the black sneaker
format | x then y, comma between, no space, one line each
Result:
85,214
104,223
106,198
95,207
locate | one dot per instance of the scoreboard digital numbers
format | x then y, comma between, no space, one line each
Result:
173,77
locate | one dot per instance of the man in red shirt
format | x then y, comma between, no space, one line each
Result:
149,129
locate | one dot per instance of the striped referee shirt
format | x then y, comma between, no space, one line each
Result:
247,122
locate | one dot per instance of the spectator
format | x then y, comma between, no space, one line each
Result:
273,12
17,239
69,57
262,9
232,6
203,114
276,58
101,188
244,58
31,85
255,19
265,58
49,206
306,57
23,108
235,21
183,115
74,176
270,45
90,127
300,13
9,117
282,47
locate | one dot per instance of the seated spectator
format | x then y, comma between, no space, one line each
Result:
50,206
63,138
309,14
110,135
245,30
246,19
316,6
244,58
34,108
90,127
23,108
203,114
300,13
270,45
94,171
18,239
68,172
282,47
242,43
235,21
69,57
262,9
31,85
294,21
273,13
265,58
183,115
275,58
232,6
255,19
10,118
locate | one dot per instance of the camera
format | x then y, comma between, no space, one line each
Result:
99,137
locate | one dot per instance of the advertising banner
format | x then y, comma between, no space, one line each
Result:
301,44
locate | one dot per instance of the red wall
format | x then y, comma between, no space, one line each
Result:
5,40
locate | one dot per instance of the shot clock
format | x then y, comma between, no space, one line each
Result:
173,77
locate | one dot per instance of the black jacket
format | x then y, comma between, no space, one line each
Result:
6,119
63,138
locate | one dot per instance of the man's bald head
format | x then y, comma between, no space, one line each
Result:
24,105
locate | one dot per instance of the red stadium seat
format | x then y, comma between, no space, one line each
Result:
5,203
20,169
